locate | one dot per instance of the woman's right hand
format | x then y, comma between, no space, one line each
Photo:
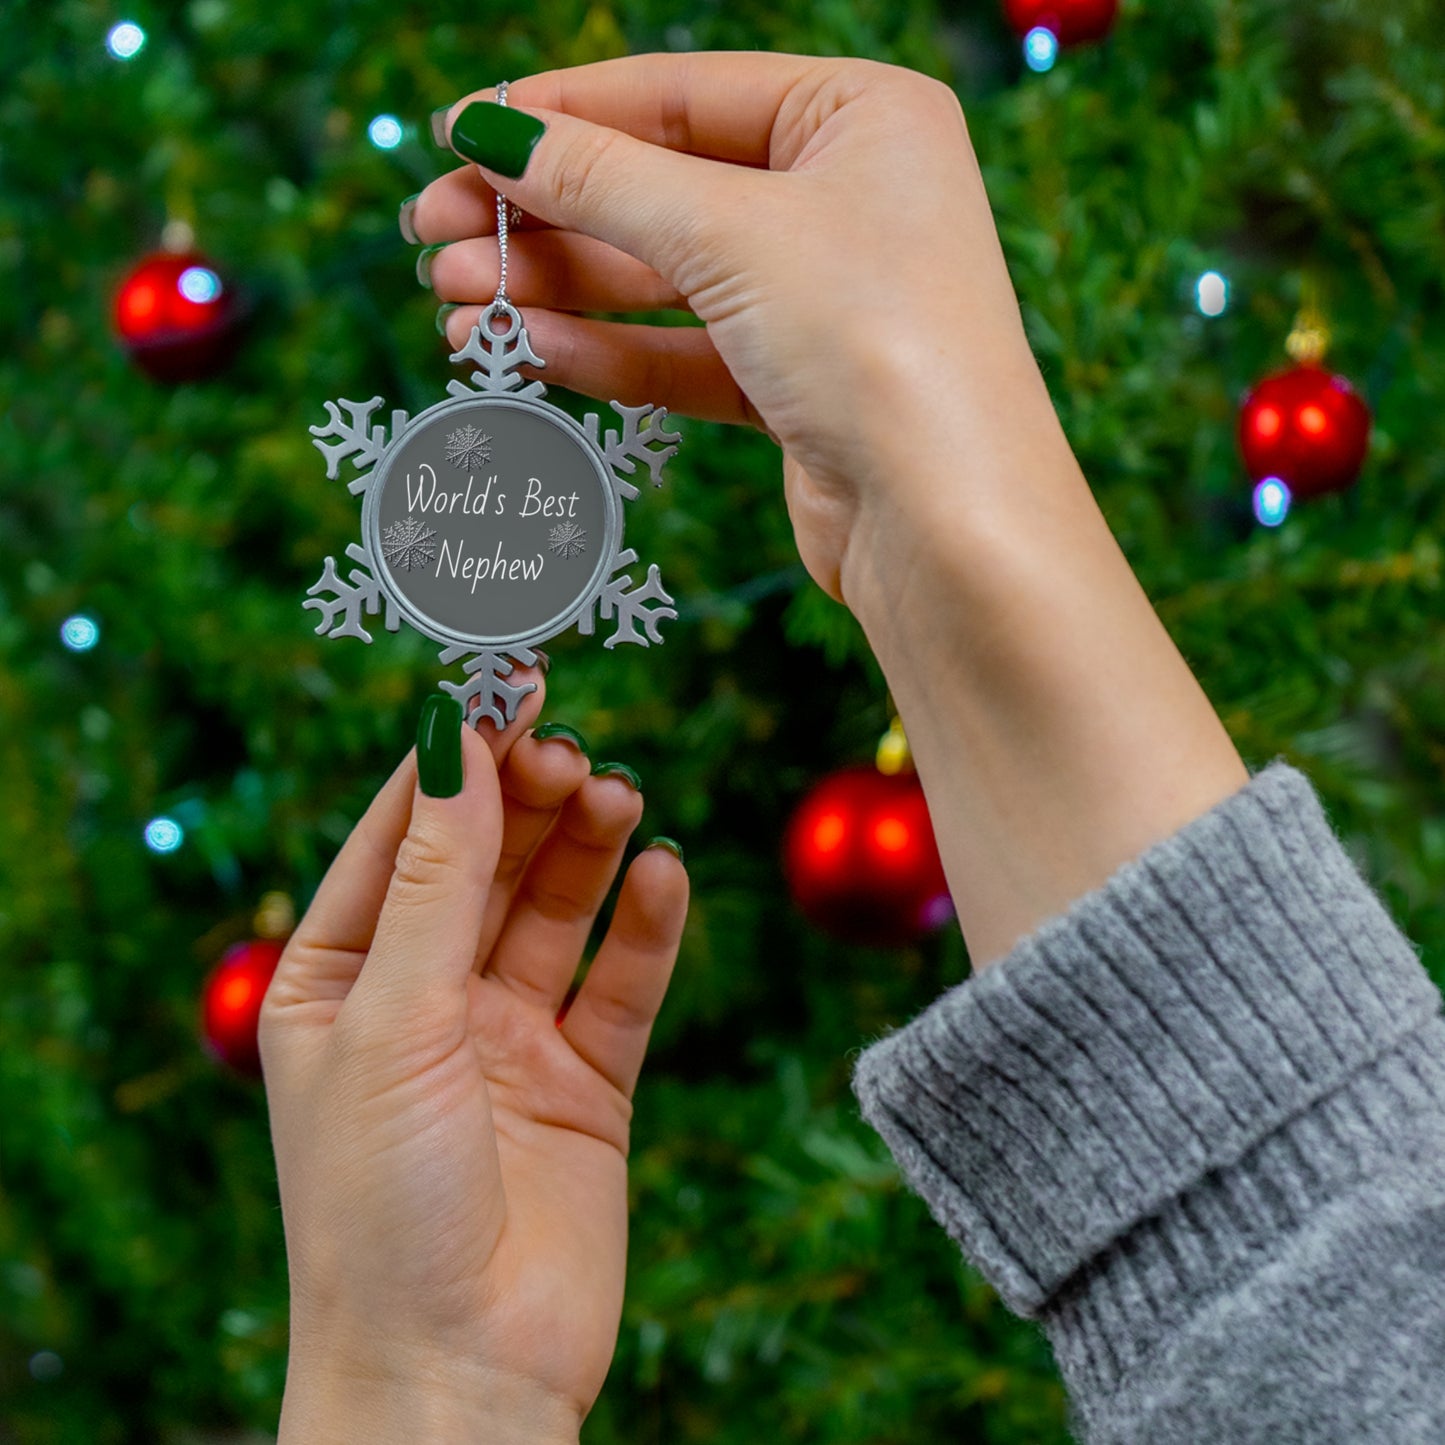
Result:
825,218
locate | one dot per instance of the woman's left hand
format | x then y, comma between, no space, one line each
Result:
452,1157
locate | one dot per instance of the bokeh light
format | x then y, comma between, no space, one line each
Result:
164,835
1271,501
126,40
1041,48
1211,294
80,633
385,132
199,284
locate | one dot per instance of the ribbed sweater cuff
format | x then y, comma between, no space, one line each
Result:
1227,980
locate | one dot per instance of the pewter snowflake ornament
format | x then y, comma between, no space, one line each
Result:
492,521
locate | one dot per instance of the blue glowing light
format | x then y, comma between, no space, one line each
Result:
80,633
385,132
199,284
1041,48
164,835
126,40
1211,293
1271,502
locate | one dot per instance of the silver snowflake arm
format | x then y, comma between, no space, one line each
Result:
630,606
643,438
498,355
484,693
350,599
360,441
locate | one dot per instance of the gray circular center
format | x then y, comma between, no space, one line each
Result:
492,521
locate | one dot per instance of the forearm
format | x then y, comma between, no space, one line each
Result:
1056,729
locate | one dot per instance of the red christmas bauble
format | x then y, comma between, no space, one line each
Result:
1073,22
861,861
176,317
231,1003
1307,427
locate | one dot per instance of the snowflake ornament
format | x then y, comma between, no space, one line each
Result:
492,521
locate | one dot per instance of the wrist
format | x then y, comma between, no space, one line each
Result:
338,1399
958,471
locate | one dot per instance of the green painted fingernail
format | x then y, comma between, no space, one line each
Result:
443,312
439,746
671,844
439,125
423,262
496,136
621,770
561,730
404,219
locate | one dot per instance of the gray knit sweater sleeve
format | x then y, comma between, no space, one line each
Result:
1195,1126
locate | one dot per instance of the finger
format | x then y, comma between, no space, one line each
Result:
557,269
673,366
565,885
539,776
611,1019
461,204
324,953
726,105
653,203
421,955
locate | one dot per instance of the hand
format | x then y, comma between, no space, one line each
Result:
825,218
452,1159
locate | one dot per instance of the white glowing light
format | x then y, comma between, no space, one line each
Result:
385,132
199,284
164,835
126,40
1211,293
1041,48
79,633
1271,502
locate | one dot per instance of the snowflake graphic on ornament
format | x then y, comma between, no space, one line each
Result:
567,540
408,543
468,447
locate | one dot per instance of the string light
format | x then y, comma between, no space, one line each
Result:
1041,48
1271,501
199,284
385,132
164,835
126,40
80,633
1211,294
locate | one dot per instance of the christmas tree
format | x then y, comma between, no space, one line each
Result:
178,744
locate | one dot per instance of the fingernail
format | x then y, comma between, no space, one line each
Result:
561,730
439,746
439,125
496,136
443,312
671,844
423,263
404,220
543,661
620,770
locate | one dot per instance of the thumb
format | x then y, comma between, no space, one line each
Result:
425,942
656,204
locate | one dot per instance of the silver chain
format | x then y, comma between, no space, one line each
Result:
501,299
